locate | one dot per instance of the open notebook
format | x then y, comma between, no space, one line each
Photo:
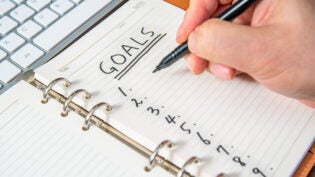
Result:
35,141
237,128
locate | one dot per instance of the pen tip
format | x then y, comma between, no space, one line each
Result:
156,69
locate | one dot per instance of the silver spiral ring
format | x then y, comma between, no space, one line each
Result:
188,162
71,96
51,84
86,125
152,159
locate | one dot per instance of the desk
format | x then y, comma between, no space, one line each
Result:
180,3
309,160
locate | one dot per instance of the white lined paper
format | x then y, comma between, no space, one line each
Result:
37,141
251,122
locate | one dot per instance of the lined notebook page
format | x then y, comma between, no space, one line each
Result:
37,141
237,127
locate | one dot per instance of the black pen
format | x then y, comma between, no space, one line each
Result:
228,15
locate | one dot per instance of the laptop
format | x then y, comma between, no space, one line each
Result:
34,31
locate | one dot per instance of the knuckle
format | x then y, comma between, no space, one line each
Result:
208,36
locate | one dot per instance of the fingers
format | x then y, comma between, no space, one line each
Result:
221,71
201,10
198,65
230,44
198,12
225,2
195,64
244,19
308,103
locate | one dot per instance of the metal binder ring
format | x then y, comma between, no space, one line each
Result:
222,175
86,125
65,111
188,162
51,84
152,160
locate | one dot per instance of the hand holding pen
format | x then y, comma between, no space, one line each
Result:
272,41
229,14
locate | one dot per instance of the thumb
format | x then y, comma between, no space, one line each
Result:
234,45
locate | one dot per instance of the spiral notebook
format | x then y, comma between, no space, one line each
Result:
184,124
35,141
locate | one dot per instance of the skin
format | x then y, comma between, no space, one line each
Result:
273,42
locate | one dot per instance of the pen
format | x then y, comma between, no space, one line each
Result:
228,15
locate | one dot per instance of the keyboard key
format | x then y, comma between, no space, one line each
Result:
2,54
61,6
11,42
21,13
46,17
76,1
8,71
6,6
18,1
38,4
29,29
68,23
27,55
6,25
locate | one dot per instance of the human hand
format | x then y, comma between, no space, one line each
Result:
273,42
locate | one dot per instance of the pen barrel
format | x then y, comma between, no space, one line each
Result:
232,12
178,53
236,9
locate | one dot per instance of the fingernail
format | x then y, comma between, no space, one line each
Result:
180,29
179,34
192,42
221,71
188,62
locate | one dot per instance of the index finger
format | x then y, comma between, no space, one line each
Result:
198,12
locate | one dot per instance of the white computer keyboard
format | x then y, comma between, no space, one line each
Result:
33,31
